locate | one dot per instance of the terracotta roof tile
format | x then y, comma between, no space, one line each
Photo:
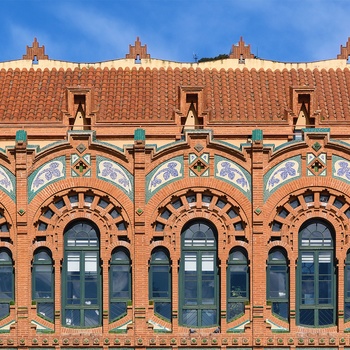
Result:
153,94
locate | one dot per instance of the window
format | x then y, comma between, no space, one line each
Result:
198,284
42,284
347,288
278,283
237,283
81,276
6,282
160,283
316,275
120,283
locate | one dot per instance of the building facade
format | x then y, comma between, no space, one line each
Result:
161,205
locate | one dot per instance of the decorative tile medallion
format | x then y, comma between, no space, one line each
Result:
282,173
316,165
198,165
80,165
164,174
231,172
47,174
114,173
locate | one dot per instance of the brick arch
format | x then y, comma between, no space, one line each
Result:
63,187
189,204
304,204
59,210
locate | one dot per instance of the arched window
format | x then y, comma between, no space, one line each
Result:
6,282
198,277
278,283
237,283
316,275
160,283
81,276
120,283
43,284
347,288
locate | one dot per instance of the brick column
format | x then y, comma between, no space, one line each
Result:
21,258
258,271
140,254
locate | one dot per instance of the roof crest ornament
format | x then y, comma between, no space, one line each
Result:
138,51
35,52
241,50
344,51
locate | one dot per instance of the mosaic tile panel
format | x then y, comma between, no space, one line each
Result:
7,182
164,174
281,174
47,174
341,168
231,172
116,174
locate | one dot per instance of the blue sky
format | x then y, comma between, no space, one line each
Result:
101,30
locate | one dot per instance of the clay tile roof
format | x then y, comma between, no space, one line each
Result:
230,93
124,94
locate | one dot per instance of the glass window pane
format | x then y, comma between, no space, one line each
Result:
278,282
326,317
277,255
91,262
163,309
190,262
5,257
347,311
347,281
4,309
72,317
43,282
42,256
73,288
307,317
73,262
208,262
46,310
234,310
207,287
159,255
190,317
90,289
177,204
238,281
190,287
160,282
6,282
117,309
91,318
280,309
120,281
208,317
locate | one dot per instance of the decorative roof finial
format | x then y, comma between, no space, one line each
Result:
137,51
35,52
344,51
241,51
